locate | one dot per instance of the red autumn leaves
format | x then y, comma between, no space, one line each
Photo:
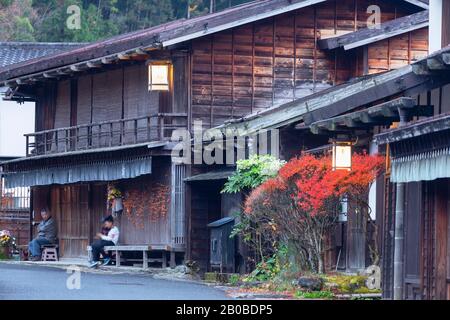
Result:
310,182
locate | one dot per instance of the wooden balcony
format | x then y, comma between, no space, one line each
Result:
106,134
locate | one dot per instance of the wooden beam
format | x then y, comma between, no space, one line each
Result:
49,75
412,130
418,3
446,58
122,56
75,68
94,64
247,14
108,60
386,30
64,71
382,114
436,63
421,69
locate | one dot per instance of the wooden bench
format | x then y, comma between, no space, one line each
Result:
145,249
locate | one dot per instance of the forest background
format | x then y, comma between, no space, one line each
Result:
45,20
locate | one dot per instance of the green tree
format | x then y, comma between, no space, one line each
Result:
45,20
16,20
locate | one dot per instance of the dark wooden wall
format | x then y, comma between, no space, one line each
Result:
398,51
45,106
205,207
439,98
119,92
79,209
144,229
412,250
273,61
445,23
427,242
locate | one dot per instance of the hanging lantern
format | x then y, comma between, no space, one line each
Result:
159,76
342,155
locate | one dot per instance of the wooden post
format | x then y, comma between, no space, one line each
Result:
173,262
111,134
89,137
145,259
149,134
399,237
77,137
164,259
45,143
67,141
117,258
399,241
122,132
99,136
161,128
27,142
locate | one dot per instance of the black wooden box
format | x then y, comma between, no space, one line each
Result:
222,247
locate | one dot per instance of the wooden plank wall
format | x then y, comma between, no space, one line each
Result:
442,253
79,209
439,98
398,51
144,230
205,208
276,60
62,114
109,95
45,106
70,207
428,242
412,250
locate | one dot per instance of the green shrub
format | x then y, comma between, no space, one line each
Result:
234,279
349,283
315,295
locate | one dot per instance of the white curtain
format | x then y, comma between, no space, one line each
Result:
422,167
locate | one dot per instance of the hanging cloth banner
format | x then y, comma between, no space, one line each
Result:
95,171
426,166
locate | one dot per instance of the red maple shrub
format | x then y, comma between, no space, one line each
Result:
300,205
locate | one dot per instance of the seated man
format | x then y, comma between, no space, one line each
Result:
47,235
110,239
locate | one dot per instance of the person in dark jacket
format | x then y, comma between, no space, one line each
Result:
47,235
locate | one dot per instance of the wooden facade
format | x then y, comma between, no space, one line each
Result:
248,69
87,110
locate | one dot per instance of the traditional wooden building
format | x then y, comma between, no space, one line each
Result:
418,154
106,111
14,202
411,198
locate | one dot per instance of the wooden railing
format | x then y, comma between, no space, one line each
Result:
105,134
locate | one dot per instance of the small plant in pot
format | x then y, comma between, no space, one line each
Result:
115,199
7,244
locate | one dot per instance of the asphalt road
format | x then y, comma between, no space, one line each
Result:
24,282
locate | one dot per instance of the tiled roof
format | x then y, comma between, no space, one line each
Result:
15,52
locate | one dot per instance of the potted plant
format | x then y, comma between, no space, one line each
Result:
7,243
115,199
